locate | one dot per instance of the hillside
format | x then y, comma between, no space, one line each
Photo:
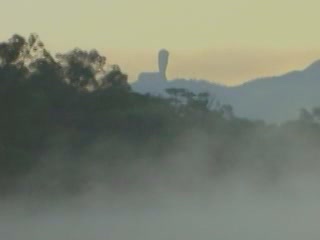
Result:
273,99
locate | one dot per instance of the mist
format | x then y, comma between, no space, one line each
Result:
178,200
82,156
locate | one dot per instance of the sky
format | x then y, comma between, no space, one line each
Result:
226,41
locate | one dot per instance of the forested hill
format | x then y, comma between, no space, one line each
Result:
57,109
71,119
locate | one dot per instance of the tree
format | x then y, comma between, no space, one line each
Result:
81,68
11,51
115,79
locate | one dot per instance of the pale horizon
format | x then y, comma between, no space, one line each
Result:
228,42
223,66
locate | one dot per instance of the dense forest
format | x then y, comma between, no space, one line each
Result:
71,119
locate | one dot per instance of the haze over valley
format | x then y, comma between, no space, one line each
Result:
159,120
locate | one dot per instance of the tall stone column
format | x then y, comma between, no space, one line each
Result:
163,63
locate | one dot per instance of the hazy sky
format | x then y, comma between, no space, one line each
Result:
223,40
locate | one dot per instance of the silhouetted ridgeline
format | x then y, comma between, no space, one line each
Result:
272,99
71,120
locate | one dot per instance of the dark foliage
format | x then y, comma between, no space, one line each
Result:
69,114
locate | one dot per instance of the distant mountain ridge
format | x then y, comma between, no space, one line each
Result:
272,99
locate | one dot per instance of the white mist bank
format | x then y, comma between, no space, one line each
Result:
254,199
234,210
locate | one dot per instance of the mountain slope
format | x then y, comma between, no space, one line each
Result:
273,99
